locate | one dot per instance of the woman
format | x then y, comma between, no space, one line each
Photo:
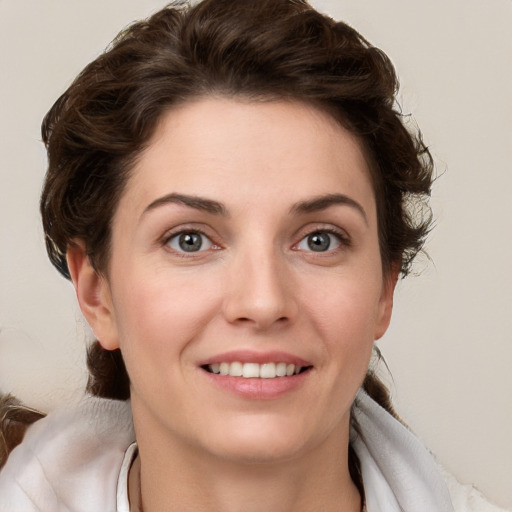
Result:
231,192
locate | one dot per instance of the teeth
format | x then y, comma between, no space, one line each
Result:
250,370
224,368
255,370
268,371
235,369
281,369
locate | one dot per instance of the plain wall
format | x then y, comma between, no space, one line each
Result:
449,347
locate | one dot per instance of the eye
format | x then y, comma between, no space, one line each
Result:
189,241
320,241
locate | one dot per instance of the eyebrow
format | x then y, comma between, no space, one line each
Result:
199,203
214,207
323,202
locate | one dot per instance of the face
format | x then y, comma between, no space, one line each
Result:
245,243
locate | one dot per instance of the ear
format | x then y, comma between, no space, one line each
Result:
94,297
386,301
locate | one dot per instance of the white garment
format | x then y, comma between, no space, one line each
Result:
70,460
399,474
122,500
77,460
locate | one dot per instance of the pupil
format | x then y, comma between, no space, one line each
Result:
190,242
319,242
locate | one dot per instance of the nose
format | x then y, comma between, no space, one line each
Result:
260,291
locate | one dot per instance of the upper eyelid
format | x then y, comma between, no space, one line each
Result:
180,233
336,234
299,235
165,244
170,236
192,227
322,227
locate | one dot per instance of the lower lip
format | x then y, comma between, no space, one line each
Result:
256,388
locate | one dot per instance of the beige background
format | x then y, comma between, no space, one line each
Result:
450,344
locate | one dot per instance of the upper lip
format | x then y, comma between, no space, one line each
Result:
250,356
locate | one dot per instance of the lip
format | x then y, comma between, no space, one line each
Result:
250,356
257,388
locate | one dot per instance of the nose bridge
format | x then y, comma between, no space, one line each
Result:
259,291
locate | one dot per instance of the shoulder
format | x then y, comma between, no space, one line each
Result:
66,455
399,473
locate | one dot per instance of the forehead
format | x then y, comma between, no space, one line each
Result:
235,149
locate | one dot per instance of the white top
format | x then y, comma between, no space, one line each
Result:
123,503
77,460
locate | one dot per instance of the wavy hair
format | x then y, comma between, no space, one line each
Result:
260,50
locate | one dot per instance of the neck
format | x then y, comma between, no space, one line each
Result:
176,477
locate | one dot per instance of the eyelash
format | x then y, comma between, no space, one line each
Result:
168,238
341,237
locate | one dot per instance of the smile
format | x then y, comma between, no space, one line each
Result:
255,370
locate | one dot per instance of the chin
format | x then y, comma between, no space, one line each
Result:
261,440
254,453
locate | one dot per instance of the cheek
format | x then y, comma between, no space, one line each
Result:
157,312
341,315
344,313
345,309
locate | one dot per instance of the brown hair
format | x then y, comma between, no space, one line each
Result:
264,50
14,418
261,50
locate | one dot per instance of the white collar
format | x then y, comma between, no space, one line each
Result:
399,473
123,503
72,460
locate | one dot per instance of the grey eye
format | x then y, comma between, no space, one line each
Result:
190,241
320,241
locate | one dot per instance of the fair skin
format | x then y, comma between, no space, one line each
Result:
247,233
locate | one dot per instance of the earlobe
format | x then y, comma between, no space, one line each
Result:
93,294
386,302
